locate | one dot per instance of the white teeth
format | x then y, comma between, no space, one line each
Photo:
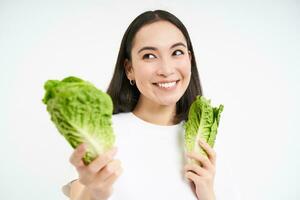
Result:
166,85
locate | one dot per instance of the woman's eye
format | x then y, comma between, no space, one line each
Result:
180,52
146,56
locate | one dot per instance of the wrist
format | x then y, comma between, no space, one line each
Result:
92,198
97,195
210,197
97,198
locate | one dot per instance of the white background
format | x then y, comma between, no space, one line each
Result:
248,59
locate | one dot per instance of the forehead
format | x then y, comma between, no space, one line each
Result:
161,34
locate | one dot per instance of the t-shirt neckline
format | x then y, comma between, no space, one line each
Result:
139,120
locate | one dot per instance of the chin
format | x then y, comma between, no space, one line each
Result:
169,102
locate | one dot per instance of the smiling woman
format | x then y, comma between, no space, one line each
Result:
161,67
154,83
156,50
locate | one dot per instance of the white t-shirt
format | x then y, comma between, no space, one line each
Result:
153,158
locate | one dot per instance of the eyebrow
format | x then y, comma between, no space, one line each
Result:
154,48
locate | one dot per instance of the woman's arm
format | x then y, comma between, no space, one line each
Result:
203,174
96,179
77,190
80,192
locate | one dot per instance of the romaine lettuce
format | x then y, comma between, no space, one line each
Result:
82,114
203,121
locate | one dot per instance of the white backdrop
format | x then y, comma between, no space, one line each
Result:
248,60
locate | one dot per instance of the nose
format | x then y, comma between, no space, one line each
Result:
165,68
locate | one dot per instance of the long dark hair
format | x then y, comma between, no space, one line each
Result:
124,95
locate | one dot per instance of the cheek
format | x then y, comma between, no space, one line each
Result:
185,68
143,74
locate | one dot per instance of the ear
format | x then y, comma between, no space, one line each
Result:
190,55
128,69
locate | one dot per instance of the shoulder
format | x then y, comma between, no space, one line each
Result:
120,117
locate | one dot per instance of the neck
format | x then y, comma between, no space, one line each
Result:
155,114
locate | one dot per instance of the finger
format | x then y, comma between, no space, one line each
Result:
88,173
109,170
192,176
112,179
209,150
204,161
77,155
195,168
101,160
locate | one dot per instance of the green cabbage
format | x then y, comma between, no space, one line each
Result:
203,121
82,114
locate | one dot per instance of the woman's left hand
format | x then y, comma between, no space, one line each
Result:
202,175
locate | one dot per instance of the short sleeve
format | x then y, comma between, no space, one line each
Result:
66,189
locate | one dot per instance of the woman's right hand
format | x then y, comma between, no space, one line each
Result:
99,176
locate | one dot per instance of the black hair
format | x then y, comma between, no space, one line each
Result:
124,95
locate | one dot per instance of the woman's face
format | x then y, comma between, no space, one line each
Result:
160,64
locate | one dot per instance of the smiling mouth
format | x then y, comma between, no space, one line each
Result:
167,85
